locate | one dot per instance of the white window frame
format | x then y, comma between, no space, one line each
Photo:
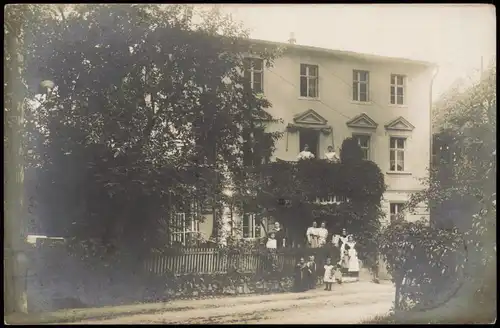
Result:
397,150
356,97
309,78
251,71
368,152
182,229
395,86
399,211
252,227
332,199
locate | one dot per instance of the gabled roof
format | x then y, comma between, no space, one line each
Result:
400,124
342,53
309,117
362,121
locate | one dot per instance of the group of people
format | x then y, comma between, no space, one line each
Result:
330,154
334,270
306,275
348,254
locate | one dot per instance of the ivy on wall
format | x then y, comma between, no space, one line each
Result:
287,192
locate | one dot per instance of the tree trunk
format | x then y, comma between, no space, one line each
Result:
397,294
15,300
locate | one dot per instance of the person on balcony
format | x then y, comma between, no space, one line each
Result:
331,155
313,235
305,154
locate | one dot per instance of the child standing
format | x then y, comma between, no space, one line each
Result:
337,275
312,279
328,278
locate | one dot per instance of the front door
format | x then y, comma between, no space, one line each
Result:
310,137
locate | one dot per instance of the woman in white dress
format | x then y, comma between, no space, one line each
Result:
322,234
352,260
329,274
313,235
305,154
331,155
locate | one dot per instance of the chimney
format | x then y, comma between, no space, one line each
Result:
292,38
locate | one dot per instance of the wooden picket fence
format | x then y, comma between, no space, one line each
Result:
212,261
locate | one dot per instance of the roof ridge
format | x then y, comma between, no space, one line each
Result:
345,52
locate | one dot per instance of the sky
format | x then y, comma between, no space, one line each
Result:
453,36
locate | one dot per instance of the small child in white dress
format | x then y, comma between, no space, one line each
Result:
328,278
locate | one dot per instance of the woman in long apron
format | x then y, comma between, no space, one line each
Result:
353,260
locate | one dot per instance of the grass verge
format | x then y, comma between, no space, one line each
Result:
471,317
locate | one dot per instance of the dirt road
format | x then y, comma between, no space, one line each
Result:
348,303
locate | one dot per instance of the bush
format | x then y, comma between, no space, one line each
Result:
427,265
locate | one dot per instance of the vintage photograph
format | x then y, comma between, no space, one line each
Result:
249,163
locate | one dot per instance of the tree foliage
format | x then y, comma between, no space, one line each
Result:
426,264
464,167
141,119
350,151
460,192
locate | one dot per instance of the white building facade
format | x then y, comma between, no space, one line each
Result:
385,103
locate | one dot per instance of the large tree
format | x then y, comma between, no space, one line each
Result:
149,109
461,192
20,22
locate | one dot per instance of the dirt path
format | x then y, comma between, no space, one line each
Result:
349,303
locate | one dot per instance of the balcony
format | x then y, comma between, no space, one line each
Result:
322,182
330,200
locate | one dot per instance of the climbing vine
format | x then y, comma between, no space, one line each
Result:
288,191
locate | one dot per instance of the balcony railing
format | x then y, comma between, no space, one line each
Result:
329,200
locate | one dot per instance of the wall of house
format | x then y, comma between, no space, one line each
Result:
282,88
206,226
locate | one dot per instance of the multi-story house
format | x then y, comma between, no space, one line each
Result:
324,96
